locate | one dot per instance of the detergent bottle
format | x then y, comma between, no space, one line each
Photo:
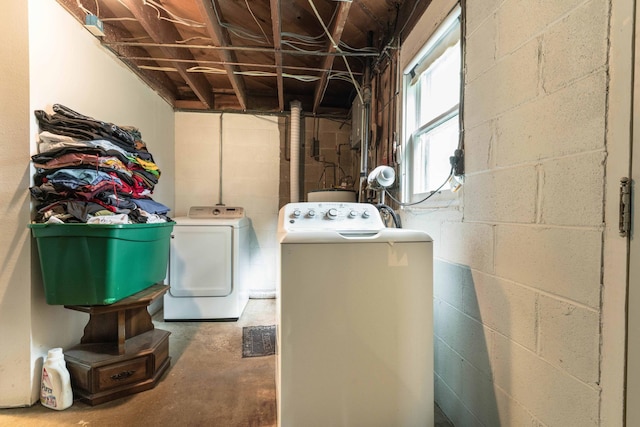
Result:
55,389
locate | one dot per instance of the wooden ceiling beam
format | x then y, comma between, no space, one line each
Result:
277,44
339,22
221,38
162,31
409,13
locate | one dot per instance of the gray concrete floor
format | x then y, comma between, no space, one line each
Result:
207,384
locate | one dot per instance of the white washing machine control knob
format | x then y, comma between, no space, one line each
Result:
365,214
311,213
332,213
353,214
296,213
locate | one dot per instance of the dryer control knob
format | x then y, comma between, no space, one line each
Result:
365,214
296,213
332,213
353,214
311,213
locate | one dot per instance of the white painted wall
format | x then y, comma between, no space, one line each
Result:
15,244
54,60
70,67
250,177
519,305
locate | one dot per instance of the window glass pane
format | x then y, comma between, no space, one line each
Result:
440,85
419,161
411,109
431,154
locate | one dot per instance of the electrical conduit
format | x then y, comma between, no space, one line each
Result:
220,165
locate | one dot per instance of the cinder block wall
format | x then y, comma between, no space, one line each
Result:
518,255
334,149
334,154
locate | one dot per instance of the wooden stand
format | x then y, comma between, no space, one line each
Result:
121,352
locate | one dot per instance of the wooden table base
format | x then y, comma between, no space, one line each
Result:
121,352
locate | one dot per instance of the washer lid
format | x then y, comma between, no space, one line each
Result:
218,212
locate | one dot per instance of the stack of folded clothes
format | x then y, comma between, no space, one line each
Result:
88,171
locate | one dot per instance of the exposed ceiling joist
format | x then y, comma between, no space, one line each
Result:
163,32
335,35
221,38
277,43
220,54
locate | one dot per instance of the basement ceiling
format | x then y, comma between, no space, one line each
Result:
252,55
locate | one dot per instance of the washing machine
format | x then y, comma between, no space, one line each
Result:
208,265
354,319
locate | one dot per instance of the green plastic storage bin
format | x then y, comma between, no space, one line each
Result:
99,264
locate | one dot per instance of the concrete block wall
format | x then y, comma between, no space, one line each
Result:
518,256
335,154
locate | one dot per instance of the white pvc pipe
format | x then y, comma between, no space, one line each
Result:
294,164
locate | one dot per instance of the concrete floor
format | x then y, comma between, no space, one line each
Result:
207,384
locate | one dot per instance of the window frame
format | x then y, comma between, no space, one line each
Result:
435,46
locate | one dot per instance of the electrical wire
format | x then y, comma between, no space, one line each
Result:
239,48
358,49
174,18
158,7
426,198
413,10
246,64
239,32
84,9
255,73
463,55
337,48
343,78
319,41
122,19
256,20
193,38
156,68
243,33
304,40
299,49
138,38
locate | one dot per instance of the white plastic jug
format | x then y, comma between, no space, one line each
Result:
55,389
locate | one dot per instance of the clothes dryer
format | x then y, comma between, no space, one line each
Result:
208,265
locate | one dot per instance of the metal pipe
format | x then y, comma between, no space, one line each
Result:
247,64
220,163
245,48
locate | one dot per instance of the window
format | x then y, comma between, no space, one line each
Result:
431,111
